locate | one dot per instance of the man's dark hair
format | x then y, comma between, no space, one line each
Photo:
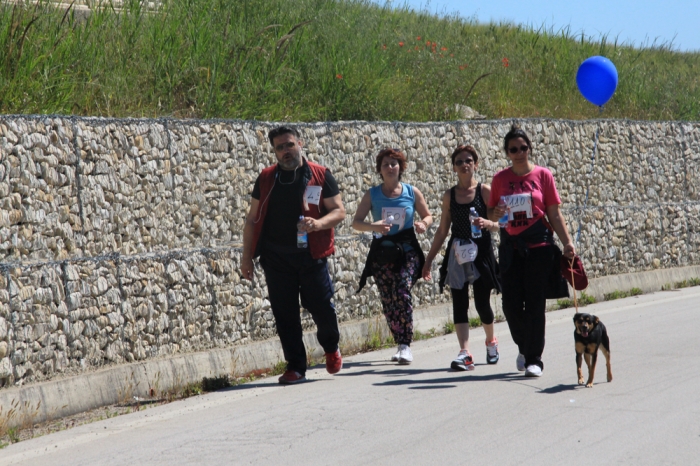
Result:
279,131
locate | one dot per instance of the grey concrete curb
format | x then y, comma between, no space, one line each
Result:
120,384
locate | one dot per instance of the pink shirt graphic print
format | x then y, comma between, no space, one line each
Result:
528,196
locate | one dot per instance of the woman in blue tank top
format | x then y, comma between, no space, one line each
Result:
482,271
393,205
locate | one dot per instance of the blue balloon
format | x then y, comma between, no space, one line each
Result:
597,80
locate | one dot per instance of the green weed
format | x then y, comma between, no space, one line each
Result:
279,368
449,327
317,60
474,322
688,283
7,417
13,433
417,335
583,300
622,294
191,389
377,337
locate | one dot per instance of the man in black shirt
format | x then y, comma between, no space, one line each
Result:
294,207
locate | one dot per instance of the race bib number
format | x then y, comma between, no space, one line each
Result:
465,251
399,214
520,203
312,195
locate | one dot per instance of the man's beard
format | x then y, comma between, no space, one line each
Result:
294,161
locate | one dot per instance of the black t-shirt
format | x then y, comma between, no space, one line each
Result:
284,205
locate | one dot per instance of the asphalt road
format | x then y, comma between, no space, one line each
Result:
375,412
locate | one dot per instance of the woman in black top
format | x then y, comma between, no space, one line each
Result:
482,272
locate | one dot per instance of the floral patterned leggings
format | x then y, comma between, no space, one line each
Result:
395,291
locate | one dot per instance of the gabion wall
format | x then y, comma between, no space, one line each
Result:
120,240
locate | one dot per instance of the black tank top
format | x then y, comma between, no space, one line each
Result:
461,227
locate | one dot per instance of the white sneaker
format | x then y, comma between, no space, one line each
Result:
405,355
520,362
395,357
533,371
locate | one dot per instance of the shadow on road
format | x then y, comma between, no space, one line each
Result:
559,388
443,381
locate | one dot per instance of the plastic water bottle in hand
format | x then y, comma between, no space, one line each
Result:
302,237
503,221
476,230
387,221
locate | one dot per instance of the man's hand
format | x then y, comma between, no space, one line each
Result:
310,224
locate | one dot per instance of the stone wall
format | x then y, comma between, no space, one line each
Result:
120,239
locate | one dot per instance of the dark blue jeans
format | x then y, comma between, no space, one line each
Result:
524,301
289,276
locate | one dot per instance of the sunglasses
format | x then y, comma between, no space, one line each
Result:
286,145
460,162
515,150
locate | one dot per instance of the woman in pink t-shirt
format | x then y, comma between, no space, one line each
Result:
528,257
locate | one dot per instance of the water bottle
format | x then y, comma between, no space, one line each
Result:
476,230
388,221
302,237
503,221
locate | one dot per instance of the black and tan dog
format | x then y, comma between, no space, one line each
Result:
590,334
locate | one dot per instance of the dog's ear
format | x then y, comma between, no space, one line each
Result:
576,316
596,319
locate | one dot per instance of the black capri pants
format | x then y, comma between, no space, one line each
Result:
482,301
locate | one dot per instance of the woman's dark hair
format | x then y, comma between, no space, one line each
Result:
515,133
280,130
465,148
395,154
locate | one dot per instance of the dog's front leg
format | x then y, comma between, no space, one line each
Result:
591,360
579,360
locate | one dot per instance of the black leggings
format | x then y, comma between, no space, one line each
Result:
482,301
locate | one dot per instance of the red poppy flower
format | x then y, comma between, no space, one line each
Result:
505,62
338,76
443,49
418,38
400,44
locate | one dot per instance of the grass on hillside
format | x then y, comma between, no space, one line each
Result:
315,60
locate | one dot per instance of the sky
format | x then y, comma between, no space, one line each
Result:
638,22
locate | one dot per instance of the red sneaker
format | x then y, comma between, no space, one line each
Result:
334,362
291,377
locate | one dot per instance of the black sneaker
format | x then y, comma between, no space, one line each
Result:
463,362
